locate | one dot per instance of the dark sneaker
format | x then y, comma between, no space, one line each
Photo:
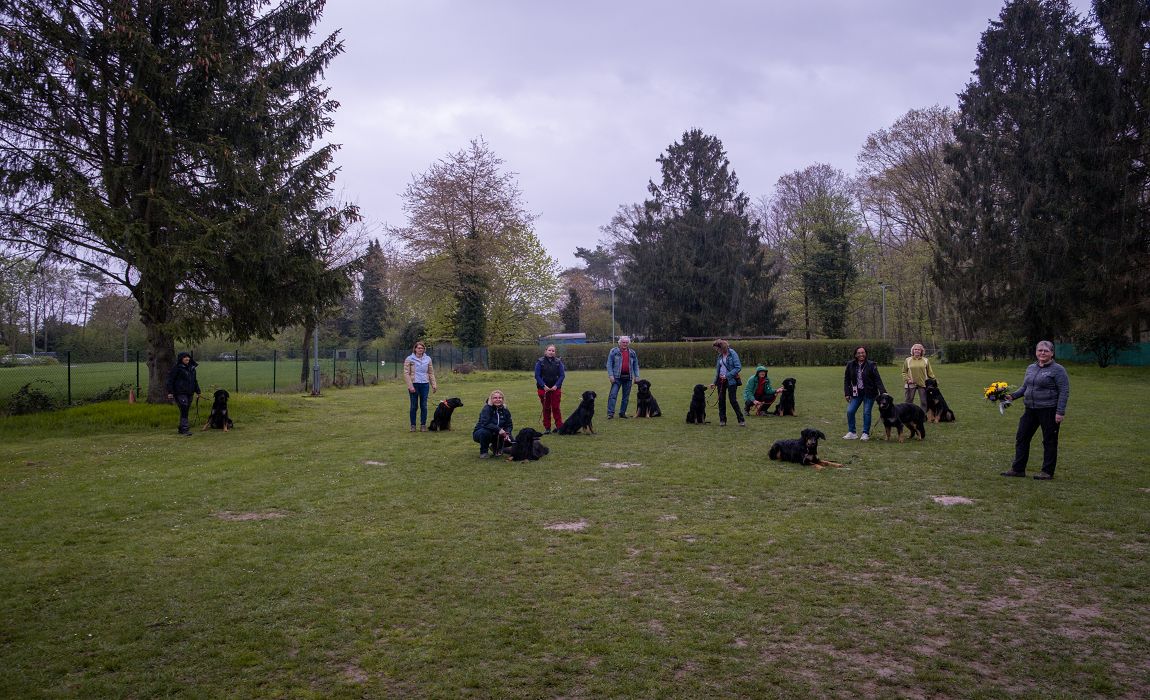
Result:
1014,473
484,455
1043,476
547,431
722,424
609,416
742,424
621,415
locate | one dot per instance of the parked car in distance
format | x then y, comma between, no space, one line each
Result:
17,359
226,356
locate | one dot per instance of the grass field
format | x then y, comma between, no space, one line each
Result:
320,550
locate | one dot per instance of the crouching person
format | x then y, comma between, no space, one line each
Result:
758,394
494,427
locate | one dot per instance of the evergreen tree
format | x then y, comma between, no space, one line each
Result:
168,144
570,313
374,313
695,264
1034,195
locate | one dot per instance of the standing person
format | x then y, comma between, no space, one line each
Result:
727,368
758,394
549,374
861,385
420,376
622,368
494,426
916,370
1046,389
182,383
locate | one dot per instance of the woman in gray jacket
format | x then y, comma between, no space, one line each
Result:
1046,389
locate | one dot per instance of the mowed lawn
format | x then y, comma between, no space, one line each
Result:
320,550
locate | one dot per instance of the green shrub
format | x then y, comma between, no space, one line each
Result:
789,353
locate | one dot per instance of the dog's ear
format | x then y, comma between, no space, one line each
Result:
820,435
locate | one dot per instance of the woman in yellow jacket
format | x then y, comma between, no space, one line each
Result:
915,371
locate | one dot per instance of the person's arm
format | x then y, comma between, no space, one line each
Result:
539,374
907,378
877,378
409,373
1063,381
562,375
610,373
736,365
431,375
749,388
929,369
769,391
634,365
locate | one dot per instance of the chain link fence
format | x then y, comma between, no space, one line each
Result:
29,384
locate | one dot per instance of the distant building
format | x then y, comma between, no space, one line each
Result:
563,339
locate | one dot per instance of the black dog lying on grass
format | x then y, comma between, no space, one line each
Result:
804,450
582,418
442,418
786,397
697,413
219,418
897,415
647,406
527,446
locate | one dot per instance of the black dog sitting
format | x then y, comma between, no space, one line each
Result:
804,450
442,418
896,416
936,409
527,446
582,418
698,410
219,418
647,407
786,396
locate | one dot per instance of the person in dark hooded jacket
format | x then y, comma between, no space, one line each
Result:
182,383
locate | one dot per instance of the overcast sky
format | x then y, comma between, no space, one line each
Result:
580,98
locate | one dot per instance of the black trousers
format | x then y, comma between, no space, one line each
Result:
728,391
184,402
1032,419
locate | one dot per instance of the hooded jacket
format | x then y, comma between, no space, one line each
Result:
753,385
182,378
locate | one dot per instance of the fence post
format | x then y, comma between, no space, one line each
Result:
377,365
137,374
274,370
237,363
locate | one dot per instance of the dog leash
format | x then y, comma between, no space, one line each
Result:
197,420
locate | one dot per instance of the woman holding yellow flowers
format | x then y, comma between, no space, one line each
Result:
1045,391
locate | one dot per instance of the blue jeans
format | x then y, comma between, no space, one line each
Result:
853,407
419,398
626,384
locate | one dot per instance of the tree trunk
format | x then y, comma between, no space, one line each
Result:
161,357
306,364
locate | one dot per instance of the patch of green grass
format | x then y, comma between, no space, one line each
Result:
321,550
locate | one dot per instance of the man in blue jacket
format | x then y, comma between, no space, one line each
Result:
623,369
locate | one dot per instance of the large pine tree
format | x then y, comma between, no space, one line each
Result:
168,144
696,264
1033,201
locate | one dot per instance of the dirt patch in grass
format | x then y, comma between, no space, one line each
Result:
575,526
952,500
237,516
374,463
620,465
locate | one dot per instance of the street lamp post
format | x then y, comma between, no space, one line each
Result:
883,287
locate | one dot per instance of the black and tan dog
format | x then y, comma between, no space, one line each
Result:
219,418
897,415
442,418
647,406
697,413
786,398
527,446
936,409
802,450
582,418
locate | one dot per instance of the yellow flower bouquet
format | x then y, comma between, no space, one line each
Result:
999,393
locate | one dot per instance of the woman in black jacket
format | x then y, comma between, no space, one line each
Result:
494,427
861,385
182,383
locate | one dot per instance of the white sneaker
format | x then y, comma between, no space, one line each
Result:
850,436
865,437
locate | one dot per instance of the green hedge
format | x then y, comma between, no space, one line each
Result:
781,353
978,350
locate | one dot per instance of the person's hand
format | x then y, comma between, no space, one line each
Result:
435,390
1058,418
710,386
612,380
411,390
